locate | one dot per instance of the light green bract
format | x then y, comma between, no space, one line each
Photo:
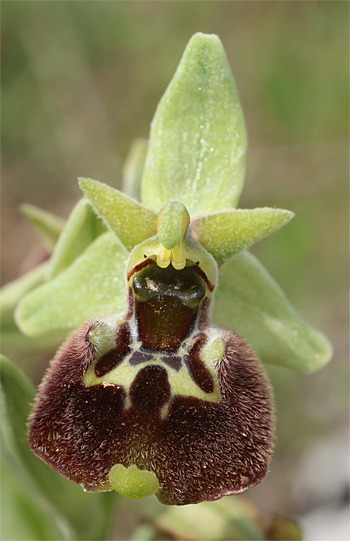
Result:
196,157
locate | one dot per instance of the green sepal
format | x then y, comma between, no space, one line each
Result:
94,285
47,224
197,147
133,169
228,232
249,302
69,501
82,227
22,517
11,293
127,218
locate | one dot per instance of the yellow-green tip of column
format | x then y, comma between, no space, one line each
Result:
173,221
132,482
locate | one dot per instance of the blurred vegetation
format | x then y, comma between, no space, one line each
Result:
81,81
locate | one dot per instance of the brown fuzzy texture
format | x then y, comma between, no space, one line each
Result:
199,451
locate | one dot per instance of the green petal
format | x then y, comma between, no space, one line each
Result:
82,227
197,148
93,285
225,233
249,302
68,500
127,218
47,224
133,169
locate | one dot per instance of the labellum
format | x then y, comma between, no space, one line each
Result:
157,400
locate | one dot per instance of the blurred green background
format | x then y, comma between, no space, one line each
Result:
81,80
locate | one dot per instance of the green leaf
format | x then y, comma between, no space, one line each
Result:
197,147
67,499
225,233
22,517
82,227
17,393
94,285
133,169
249,302
127,218
47,224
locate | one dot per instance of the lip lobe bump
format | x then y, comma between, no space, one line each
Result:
115,356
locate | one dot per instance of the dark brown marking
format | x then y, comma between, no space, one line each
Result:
130,304
204,315
202,274
115,356
174,361
150,390
197,369
138,358
164,323
140,266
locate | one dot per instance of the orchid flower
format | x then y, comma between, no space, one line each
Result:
160,389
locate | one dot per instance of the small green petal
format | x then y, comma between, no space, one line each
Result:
133,169
93,285
197,148
225,233
127,218
82,227
47,224
249,302
132,482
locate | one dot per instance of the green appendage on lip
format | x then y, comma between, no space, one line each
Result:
132,482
